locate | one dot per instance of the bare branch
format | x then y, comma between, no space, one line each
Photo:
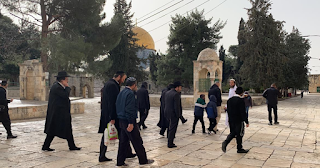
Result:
24,19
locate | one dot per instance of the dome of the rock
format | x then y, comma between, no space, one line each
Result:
143,38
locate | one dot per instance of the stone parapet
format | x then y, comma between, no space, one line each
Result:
39,111
188,101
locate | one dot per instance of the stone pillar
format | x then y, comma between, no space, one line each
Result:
32,81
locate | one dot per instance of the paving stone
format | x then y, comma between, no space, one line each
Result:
292,143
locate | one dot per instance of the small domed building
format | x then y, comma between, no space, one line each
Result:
206,70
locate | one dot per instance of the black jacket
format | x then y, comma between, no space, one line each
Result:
3,98
4,115
271,95
237,110
143,98
172,107
108,104
58,119
215,90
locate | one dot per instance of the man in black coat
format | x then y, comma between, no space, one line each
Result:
163,122
271,95
215,90
173,111
143,104
237,115
58,119
4,110
110,92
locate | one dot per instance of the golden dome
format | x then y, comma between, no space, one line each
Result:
143,38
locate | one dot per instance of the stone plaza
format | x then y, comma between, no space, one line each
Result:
293,143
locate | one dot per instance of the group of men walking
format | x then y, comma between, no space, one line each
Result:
121,108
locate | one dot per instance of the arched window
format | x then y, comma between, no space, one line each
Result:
208,75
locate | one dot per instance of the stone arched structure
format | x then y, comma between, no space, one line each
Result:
206,70
32,81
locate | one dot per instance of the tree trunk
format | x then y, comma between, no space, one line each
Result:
44,35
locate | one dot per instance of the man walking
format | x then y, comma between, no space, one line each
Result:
58,120
163,122
4,110
232,92
237,115
215,90
108,111
127,114
143,104
173,111
271,95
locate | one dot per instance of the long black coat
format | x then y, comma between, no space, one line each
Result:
58,119
4,115
237,110
172,107
143,98
108,104
163,122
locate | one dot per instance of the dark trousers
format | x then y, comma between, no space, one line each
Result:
275,112
49,139
196,118
6,122
173,125
103,148
236,131
213,123
143,116
124,142
182,119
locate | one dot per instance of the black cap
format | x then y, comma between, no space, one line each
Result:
239,90
177,84
3,83
62,74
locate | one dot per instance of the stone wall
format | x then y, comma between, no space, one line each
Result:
188,101
39,111
314,83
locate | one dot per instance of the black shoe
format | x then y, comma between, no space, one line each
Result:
172,146
150,161
204,132
74,148
105,159
184,121
161,134
123,164
11,137
131,156
242,151
215,132
192,131
144,127
0,133
270,124
47,149
224,147
276,123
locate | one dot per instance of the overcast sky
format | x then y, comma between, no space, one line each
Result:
302,14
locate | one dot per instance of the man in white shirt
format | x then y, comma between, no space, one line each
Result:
232,92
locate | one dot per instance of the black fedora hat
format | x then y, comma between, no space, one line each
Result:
62,74
177,84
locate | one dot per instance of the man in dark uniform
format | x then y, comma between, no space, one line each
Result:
271,95
237,115
110,92
143,104
163,122
127,113
58,119
4,110
173,111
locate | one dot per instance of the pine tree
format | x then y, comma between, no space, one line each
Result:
124,55
189,35
261,54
